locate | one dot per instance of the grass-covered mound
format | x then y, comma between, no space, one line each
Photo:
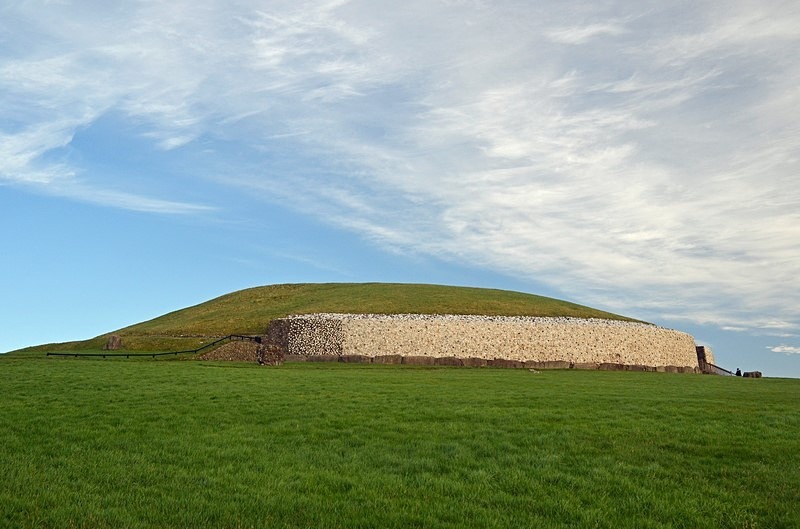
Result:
250,311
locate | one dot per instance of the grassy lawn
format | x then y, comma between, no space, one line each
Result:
115,443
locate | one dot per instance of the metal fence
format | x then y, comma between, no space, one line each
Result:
230,337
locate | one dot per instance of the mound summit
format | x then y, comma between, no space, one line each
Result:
251,310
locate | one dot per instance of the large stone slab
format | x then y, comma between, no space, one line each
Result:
388,359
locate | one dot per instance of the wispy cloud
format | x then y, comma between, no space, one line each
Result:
581,34
643,159
787,349
129,201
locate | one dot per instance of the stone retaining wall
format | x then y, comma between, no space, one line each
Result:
520,339
236,351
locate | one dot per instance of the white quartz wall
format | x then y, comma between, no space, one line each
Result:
580,341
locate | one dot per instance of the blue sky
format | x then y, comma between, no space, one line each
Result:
639,157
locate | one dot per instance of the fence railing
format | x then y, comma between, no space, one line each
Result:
231,337
712,369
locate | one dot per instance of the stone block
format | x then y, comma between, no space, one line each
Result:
611,367
584,365
474,362
506,363
323,358
546,364
268,354
419,360
388,359
448,361
355,359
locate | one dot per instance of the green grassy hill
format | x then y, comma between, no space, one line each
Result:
250,311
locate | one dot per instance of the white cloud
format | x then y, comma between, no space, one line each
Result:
734,328
776,325
581,34
785,349
652,168
129,201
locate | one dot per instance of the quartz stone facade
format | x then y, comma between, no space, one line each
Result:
573,341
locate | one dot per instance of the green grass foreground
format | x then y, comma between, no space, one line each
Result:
108,443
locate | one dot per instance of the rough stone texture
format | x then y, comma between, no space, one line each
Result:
504,362
449,361
419,360
296,336
114,342
585,365
548,342
752,374
475,362
355,359
268,354
546,365
388,359
236,351
705,352
611,367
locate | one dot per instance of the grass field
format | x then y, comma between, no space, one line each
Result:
250,311
114,443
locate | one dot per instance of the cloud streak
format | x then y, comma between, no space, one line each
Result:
787,349
640,158
582,34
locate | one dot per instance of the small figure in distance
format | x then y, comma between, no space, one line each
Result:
738,372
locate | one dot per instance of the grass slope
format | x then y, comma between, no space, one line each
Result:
140,444
249,311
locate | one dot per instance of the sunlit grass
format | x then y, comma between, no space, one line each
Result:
250,311
94,443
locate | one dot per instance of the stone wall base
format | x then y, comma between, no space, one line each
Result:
449,361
